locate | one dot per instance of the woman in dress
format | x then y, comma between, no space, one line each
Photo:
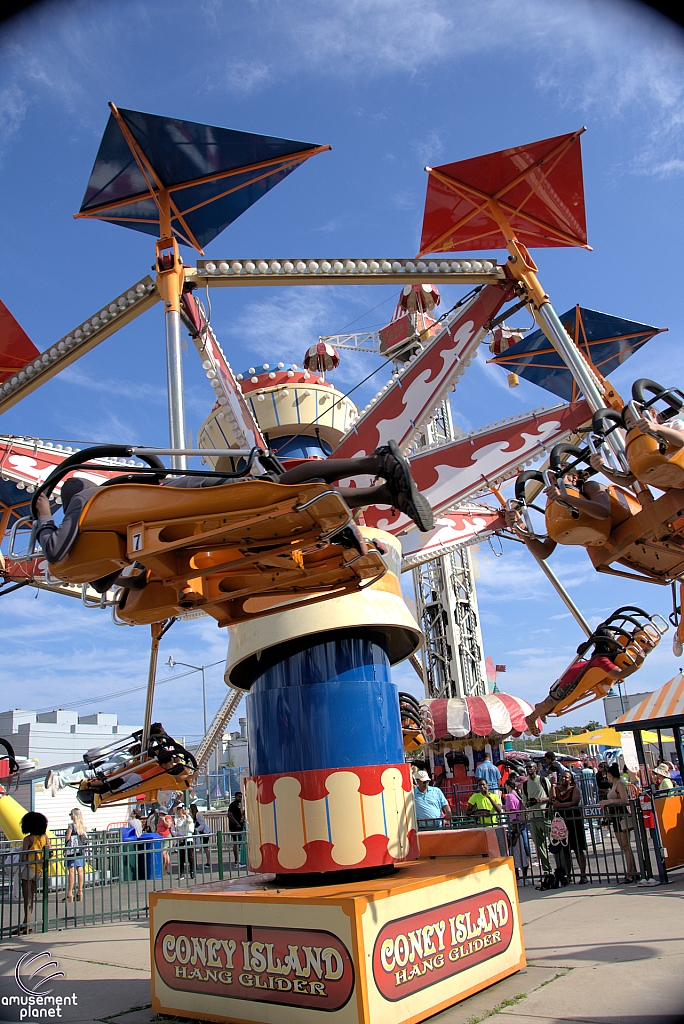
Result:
567,802
183,827
618,810
518,838
202,830
164,830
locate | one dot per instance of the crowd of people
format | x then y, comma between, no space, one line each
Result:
545,804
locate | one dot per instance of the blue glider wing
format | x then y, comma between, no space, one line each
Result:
212,175
606,342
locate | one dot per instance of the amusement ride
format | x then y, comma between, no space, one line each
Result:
306,511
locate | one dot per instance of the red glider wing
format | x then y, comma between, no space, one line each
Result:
538,187
16,348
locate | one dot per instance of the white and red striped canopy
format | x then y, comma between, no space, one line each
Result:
321,357
462,720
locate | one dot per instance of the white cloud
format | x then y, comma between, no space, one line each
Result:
285,323
615,60
55,652
429,148
331,225
246,76
12,110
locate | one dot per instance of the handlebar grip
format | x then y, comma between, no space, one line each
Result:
644,384
630,608
102,451
601,416
566,449
523,480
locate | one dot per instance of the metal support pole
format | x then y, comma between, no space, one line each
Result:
156,630
548,320
680,750
650,788
174,381
170,282
552,578
204,717
563,594
523,267
219,851
46,890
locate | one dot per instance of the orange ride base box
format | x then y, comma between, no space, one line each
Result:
389,951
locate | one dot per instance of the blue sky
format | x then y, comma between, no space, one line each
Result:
391,85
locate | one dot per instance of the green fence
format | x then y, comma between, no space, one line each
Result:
111,882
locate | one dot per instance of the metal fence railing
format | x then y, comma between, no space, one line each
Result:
603,845
113,878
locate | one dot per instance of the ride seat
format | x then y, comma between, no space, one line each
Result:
248,512
572,527
653,462
154,778
594,684
92,556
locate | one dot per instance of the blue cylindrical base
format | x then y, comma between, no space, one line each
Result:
330,705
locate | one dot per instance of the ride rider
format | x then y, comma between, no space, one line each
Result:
169,763
592,499
568,683
387,462
670,432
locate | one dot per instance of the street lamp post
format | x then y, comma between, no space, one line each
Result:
199,668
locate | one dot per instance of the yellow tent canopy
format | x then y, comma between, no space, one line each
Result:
608,737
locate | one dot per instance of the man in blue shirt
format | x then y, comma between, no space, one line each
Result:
488,771
431,804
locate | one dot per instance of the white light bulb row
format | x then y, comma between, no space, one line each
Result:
85,331
511,419
344,267
226,413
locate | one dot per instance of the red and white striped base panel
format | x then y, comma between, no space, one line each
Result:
331,819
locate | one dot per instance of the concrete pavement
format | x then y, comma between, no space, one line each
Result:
597,955
107,967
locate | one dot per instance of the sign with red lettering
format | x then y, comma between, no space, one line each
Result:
299,967
423,949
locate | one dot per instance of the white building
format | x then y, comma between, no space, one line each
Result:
234,748
59,737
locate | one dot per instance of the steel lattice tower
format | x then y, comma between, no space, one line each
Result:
446,603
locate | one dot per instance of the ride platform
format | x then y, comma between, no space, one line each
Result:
392,950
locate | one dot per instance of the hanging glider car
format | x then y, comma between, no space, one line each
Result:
655,455
122,770
615,650
236,550
636,530
416,723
